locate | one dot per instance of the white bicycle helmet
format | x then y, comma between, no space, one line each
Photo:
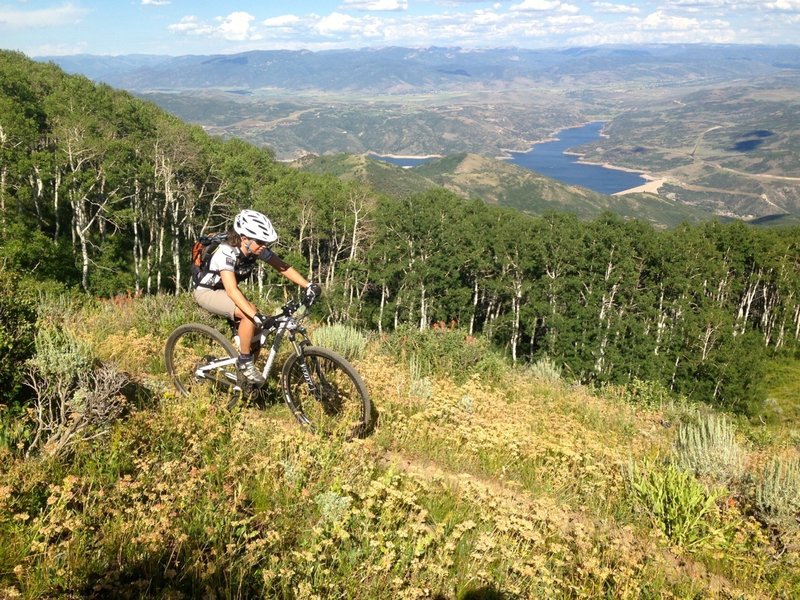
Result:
254,225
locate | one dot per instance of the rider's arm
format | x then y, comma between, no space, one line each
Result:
234,293
277,263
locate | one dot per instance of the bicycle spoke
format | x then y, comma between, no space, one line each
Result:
326,396
191,350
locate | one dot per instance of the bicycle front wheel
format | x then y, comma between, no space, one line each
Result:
326,394
198,355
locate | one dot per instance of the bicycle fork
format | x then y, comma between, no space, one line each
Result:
298,350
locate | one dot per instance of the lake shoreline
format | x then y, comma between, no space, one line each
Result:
553,137
561,159
406,156
651,185
633,181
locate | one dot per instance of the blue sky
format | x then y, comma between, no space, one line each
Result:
175,27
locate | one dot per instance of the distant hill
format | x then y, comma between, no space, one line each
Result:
379,175
716,122
400,70
500,183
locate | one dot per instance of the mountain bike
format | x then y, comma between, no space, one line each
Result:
322,389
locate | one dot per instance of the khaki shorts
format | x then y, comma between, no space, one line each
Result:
215,301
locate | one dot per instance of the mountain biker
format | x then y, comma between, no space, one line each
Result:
217,284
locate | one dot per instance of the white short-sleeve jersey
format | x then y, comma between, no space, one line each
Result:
228,258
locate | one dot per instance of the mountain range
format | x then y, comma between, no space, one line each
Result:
402,70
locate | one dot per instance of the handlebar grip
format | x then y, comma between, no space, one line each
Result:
290,308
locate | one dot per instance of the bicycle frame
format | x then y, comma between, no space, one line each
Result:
200,372
291,328
287,325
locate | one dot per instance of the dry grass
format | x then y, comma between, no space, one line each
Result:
515,488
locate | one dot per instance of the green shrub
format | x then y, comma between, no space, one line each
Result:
57,307
14,431
649,393
25,244
446,352
783,384
545,369
17,327
60,354
332,506
679,505
492,367
155,315
778,494
160,314
74,394
419,386
344,339
709,448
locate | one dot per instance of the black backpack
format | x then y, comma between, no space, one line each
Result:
202,250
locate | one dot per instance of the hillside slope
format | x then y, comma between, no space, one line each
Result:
501,183
381,176
492,480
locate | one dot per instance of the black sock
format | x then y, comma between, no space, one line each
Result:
245,358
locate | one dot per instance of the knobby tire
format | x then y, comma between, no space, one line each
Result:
193,345
336,402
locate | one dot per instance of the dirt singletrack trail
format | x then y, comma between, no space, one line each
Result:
511,498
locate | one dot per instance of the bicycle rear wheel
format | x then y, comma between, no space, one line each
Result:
191,349
326,394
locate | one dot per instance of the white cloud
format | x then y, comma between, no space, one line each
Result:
155,2
336,24
378,5
657,27
525,23
636,33
191,26
282,21
544,6
536,5
786,5
611,8
660,20
566,23
486,17
44,17
698,4
59,49
236,26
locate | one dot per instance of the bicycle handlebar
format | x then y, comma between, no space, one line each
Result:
293,307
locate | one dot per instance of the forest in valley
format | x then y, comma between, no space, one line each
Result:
104,193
